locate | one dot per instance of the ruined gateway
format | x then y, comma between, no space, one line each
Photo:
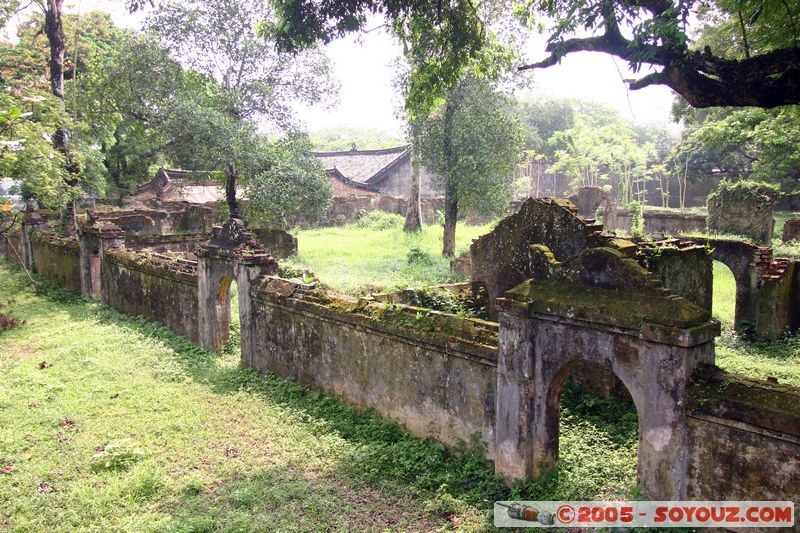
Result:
561,292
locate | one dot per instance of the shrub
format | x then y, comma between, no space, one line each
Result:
418,256
379,220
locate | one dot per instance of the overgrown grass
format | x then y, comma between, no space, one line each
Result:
780,358
129,427
361,258
724,291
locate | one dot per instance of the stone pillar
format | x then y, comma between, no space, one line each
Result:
111,237
30,221
89,261
214,313
248,270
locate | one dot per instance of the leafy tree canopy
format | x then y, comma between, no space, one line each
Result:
655,33
473,143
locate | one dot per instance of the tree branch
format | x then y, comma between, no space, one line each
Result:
703,79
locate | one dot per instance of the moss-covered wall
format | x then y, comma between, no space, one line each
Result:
166,243
137,284
500,258
435,384
744,440
57,259
670,223
686,272
743,208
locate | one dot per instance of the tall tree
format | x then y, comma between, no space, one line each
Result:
474,144
219,39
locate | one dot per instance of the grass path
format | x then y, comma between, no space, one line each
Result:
129,427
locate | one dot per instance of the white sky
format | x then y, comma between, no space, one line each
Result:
363,67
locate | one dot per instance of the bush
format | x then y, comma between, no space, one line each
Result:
418,256
379,221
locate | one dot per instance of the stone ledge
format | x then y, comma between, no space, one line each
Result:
365,315
770,406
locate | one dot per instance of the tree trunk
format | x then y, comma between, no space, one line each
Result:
230,190
414,208
54,29
450,190
450,220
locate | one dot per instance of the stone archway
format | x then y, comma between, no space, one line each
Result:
606,309
743,260
232,254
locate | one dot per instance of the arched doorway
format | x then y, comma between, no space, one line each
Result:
597,429
231,255
723,306
227,313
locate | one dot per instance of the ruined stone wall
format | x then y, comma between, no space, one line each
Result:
277,242
744,440
669,223
434,384
777,302
685,268
742,208
57,259
155,286
500,258
167,219
166,243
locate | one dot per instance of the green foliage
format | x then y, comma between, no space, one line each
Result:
24,72
745,190
637,218
418,256
194,91
473,143
601,149
379,220
27,122
749,143
289,185
117,455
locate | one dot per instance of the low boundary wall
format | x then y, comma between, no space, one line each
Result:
57,259
158,287
381,357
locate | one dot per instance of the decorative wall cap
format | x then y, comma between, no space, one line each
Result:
603,286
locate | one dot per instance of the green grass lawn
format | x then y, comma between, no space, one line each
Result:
724,290
371,258
129,427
